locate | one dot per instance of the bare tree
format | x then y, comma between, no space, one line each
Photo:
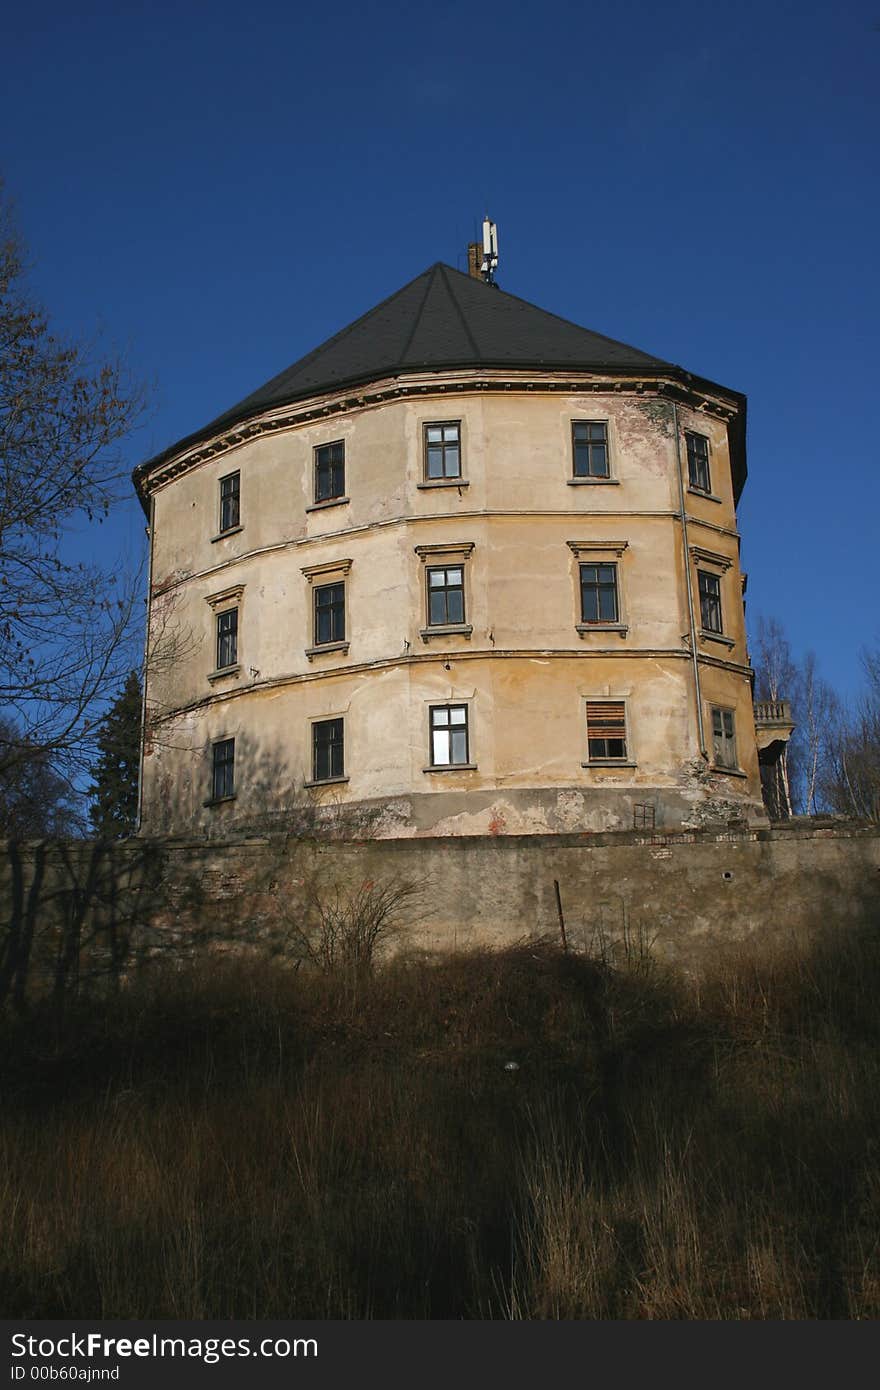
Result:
64,622
819,719
852,778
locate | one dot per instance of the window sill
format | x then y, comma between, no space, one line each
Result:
218,800
446,630
729,771
328,502
584,628
224,671
452,767
717,637
221,535
325,648
593,482
709,496
608,762
443,482
326,782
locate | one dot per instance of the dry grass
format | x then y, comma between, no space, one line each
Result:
241,1141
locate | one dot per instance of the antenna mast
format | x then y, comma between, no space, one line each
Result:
490,251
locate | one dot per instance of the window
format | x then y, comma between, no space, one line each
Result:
599,594
226,609
230,502
444,588
590,448
329,614
223,769
328,750
449,736
606,730
227,638
710,601
443,451
445,596
723,738
698,461
330,471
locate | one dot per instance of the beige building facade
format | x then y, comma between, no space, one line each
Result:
467,569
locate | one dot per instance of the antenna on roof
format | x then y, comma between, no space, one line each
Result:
483,260
490,251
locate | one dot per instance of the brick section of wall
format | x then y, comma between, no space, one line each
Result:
83,910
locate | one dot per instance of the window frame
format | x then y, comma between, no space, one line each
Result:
227,601
724,711
446,556
712,605
234,499
447,707
590,476
597,565
599,554
331,747
222,770
325,498
229,637
606,758
324,576
696,464
333,608
446,589
444,478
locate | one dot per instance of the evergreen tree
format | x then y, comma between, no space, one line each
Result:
114,791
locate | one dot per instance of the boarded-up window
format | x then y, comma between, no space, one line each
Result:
606,730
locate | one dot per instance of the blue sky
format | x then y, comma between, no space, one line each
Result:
217,188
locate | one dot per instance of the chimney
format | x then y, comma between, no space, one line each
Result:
475,260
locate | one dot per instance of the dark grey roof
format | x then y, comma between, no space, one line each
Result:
441,319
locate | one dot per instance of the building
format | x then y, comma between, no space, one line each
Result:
465,568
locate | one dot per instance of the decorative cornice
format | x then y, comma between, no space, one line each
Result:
600,547
711,557
231,595
642,384
329,567
462,549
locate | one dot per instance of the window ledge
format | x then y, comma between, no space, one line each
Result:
608,762
593,482
340,648
709,496
716,637
443,482
224,671
326,782
452,767
221,535
729,771
218,800
328,502
584,628
446,630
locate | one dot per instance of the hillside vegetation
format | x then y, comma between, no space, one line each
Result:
239,1140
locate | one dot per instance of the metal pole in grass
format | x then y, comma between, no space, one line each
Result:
561,916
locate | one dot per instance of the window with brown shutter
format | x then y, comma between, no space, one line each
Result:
606,730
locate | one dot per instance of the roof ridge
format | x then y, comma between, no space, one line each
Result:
430,273
570,323
458,309
341,333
